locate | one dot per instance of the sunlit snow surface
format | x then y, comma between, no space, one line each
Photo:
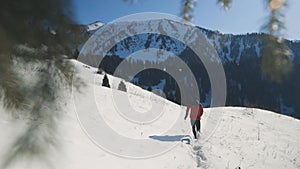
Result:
244,137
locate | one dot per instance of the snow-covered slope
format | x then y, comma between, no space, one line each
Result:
243,137
254,138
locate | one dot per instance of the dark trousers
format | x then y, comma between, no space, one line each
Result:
195,125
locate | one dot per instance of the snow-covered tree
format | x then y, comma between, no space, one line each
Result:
122,86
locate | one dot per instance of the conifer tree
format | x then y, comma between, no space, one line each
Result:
149,88
105,81
122,86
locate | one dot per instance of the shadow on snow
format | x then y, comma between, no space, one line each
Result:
168,138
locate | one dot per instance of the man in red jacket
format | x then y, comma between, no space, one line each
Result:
195,116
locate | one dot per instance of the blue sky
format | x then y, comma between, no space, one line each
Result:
245,16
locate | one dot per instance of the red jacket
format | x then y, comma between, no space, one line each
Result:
196,112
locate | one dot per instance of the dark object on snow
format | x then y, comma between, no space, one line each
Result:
75,54
149,89
100,71
105,81
122,87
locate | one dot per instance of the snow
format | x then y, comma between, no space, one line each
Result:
94,26
150,55
252,138
257,49
241,49
161,84
181,31
243,137
228,45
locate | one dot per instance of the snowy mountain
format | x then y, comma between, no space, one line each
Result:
91,28
239,54
97,130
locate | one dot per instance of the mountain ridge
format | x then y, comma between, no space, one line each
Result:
241,59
